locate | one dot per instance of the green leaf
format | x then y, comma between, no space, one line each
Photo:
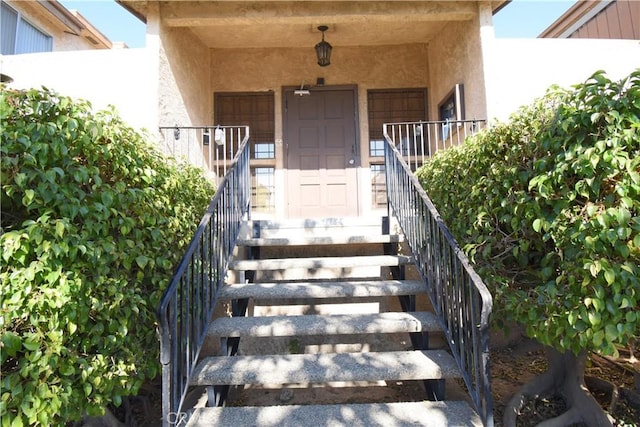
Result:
72,327
60,228
107,198
631,317
610,276
30,344
598,304
537,225
28,197
17,421
11,343
142,261
598,338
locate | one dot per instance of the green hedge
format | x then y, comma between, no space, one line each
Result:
547,205
94,220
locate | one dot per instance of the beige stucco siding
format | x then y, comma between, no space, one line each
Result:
366,67
185,95
455,57
370,67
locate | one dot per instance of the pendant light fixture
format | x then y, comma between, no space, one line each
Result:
323,49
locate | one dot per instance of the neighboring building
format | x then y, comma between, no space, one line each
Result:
600,19
45,26
591,35
316,151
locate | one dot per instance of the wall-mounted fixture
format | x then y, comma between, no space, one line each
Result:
302,91
323,49
219,136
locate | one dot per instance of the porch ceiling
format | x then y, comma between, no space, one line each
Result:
246,24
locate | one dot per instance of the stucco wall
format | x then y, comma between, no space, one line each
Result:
37,16
373,67
117,77
525,68
185,95
455,57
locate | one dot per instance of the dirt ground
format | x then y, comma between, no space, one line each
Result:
514,365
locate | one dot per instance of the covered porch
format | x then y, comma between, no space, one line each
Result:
316,151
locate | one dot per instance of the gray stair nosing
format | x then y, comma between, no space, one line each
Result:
325,367
338,324
318,223
321,289
399,414
321,262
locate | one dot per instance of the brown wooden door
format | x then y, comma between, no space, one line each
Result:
321,153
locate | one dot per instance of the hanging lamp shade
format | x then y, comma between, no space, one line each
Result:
323,49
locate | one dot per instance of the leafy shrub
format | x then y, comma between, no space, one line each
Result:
93,222
548,207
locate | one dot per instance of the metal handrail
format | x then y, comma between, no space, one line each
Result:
418,141
461,300
188,303
212,148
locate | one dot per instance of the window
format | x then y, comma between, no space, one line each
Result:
19,36
264,150
391,106
256,110
263,190
378,187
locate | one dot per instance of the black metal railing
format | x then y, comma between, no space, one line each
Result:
417,141
213,148
460,298
188,303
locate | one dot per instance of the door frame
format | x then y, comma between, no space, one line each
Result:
353,88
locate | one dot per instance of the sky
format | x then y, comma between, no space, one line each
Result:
520,18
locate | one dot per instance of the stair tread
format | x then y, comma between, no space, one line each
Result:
398,414
338,324
320,223
325,367
321,240
321,262
324,289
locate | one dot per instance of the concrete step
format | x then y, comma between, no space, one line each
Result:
322,262
397,414
310,227
323,289
322,240
324,368
286,326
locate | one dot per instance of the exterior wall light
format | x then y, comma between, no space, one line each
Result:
323,49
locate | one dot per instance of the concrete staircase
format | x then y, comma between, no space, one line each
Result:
325,306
